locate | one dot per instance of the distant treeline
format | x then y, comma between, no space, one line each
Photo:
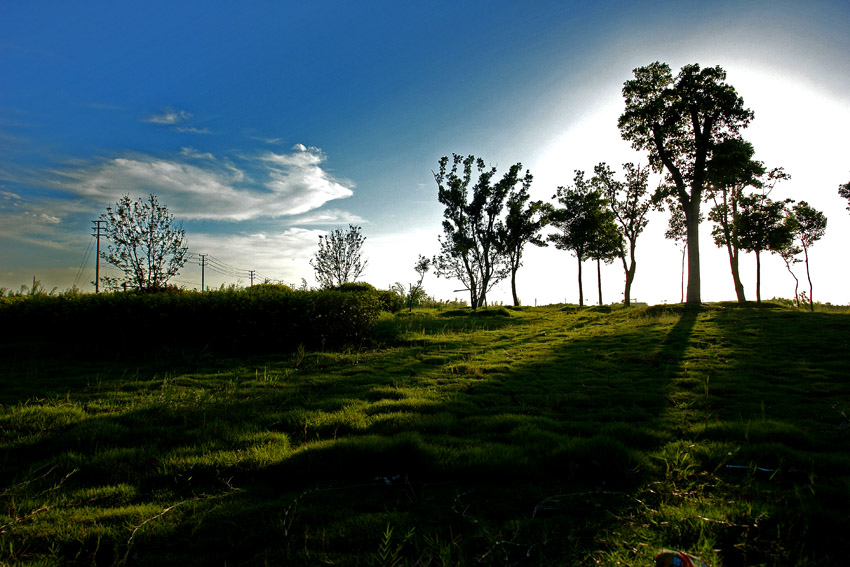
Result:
262,318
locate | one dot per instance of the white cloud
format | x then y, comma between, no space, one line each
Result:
329,217
193,130
294,184
191,152
169,116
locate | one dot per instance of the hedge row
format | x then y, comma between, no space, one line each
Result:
266,319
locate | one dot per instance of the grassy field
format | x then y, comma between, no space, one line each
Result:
533,436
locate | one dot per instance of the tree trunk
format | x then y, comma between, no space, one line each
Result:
684,251
809,277
580,289
692,215
736,275
630,276
599,279
758,277
513,288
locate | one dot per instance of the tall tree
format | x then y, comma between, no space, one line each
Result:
809,226
146,243
760,226
338,259
731,169
522,225
630,204
679,121
577,220
469,247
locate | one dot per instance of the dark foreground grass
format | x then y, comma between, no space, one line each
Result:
550,436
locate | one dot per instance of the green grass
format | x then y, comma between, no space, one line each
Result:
527,436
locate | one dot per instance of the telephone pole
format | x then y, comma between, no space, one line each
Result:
251,273
203,263
97,228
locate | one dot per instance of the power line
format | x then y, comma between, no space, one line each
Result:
84,262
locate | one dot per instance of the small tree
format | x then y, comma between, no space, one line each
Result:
521,226
809,226
789,256
469,247
607,244
416,293
338,259
761,226
731,170
145,243
630,204
578,220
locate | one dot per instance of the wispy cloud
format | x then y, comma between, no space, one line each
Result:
327,217
191,152
193,130
169,116
195,185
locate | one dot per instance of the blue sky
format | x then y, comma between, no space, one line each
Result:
262,125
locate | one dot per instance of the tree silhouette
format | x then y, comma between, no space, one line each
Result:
630,204
145,243
731,169
578,220
679,121
809,226
761,226
522,225
338,259
469,247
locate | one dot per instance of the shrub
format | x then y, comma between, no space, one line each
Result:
267,319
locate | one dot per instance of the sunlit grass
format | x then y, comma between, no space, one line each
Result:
524,436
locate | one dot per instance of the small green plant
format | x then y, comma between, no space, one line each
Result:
390,552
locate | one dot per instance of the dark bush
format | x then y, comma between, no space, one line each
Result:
272,319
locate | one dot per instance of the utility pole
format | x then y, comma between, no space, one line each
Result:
203,264
96,228
251,273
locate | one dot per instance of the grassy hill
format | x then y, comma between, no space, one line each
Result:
533,436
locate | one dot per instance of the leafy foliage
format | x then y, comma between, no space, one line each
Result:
731,170
469,247
761,226
522,225
808,226
338,259
629,203
583,223
145,243
844,191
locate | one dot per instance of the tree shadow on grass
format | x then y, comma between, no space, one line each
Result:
526,454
